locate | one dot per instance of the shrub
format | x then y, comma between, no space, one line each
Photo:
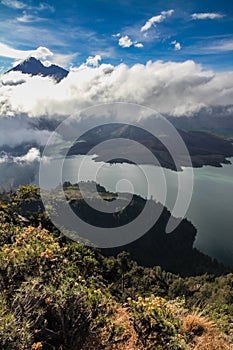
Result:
195,325
155,323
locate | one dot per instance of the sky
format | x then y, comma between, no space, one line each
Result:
70,33
172,56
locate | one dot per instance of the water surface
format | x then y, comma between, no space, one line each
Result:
211,207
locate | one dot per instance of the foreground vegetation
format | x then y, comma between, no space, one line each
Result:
60,295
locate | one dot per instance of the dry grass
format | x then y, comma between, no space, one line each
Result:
211,341
202,333
196,325
126,340
122,318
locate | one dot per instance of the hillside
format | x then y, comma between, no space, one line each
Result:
173,252
218,121
59,294
204,148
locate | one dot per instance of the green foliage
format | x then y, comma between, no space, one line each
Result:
14,334
46,293
155,323
27,193
60,316
58,294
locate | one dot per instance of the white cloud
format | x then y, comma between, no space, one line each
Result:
32,155
210,46
177,45
151,21
159,85
125,41
15,4
206,15
116,35
40,53
63,60
4,158
44,6
226,45
19,5
156,19
139,45
29,18
93,60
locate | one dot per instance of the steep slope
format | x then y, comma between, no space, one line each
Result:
58,294
173,252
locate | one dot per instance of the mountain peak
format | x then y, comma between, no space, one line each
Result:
31,59
33,66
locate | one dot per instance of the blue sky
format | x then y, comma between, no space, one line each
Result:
129,31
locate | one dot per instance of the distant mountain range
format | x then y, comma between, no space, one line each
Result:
204,148
35,67
217,120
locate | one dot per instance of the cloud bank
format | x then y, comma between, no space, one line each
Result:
173,88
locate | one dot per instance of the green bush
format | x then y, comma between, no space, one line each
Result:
156,324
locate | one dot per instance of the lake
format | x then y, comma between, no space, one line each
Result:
210,210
